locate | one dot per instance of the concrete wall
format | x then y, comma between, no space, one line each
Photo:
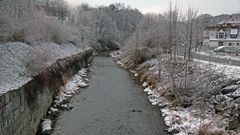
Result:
22,109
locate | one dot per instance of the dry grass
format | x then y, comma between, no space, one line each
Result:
175,103
205,130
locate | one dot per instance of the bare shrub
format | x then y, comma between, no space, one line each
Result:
141,55
18,36
38,61
44,79
42,28
206,130
57,36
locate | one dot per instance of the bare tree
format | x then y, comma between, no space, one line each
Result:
191,25
171,19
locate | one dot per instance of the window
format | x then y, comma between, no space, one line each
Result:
221,35
220,43
233,36
229,44
234,33
237,44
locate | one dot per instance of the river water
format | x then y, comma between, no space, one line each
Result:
113,104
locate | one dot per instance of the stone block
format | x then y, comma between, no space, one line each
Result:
19,130
7,109
6,98
26,122
8,131
16,125
15,103
13,94
24,132
7,121
22,102
2,101
16,114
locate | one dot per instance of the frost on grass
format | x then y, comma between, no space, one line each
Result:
230,71
19,62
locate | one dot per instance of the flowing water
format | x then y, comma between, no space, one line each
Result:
113,104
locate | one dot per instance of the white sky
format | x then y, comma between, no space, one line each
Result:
214,7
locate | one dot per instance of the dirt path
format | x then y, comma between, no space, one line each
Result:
112,105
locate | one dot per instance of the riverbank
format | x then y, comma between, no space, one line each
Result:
209,96
61,101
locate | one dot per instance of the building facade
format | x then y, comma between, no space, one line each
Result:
225,33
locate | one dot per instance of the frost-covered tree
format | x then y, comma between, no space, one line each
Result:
114,22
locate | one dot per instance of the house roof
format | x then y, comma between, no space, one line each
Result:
233,19
221,22
221,31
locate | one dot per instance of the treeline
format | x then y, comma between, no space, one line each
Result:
170,32
33,21
53,21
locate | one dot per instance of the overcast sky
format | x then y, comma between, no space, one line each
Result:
214,7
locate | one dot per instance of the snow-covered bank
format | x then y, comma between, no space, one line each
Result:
20,62
78,81
62,98
212,97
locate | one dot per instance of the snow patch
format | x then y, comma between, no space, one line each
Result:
78,81
46,125
145,84
53,109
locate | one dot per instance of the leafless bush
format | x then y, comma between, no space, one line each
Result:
18,36
38,61
141,55
205,130
43,28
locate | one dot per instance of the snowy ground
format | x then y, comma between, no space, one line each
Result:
20,61
219,55
61,99
229,70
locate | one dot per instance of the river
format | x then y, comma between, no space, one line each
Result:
113,104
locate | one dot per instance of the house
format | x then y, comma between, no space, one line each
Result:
224,33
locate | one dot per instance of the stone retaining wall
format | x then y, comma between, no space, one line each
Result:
22,109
